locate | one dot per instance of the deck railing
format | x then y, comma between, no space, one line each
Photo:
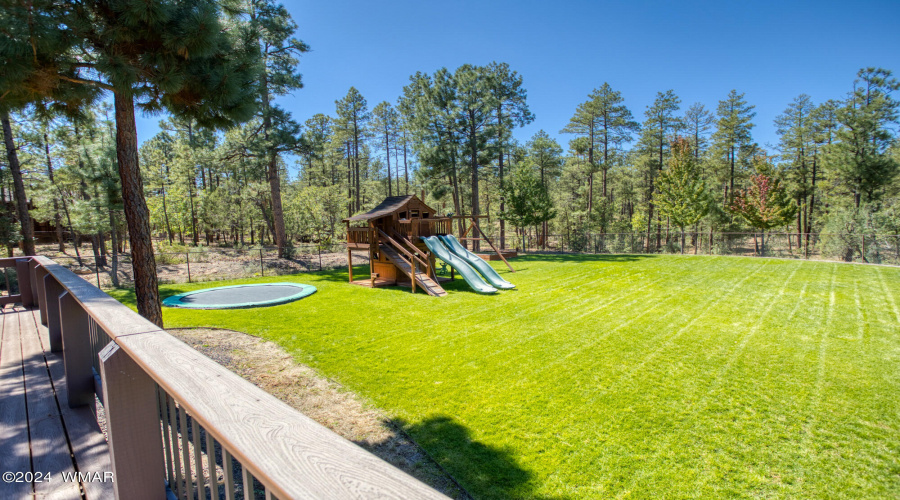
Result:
173,416
359,236
425,227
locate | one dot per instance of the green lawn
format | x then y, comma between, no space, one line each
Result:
622,376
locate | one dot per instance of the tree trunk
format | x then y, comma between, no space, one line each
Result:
136,214
18,185
56,219
387,156
812,204
277,210
405,166
476,210
500,159
272,175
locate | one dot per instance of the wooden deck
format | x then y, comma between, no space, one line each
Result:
39,433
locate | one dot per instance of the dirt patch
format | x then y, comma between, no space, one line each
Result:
270,368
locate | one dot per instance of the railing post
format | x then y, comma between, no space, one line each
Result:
52,290
76,351
39,273
23,276
32,273
132,422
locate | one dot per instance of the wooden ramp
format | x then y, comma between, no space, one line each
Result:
430,286
38,431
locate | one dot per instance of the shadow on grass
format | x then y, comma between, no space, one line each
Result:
484,471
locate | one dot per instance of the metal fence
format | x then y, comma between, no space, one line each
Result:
847,247
198,264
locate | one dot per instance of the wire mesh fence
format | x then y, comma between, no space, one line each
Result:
198,264
847,247
189,264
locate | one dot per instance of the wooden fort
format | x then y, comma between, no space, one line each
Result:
391,233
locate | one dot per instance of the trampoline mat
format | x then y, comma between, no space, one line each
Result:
241,296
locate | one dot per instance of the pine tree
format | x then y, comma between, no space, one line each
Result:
385,125
512,111
271,24
681,190
698,122
545,156
796,129
159,55
861,156
732,138
353,118
476,103
658,132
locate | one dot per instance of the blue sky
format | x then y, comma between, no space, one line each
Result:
772,51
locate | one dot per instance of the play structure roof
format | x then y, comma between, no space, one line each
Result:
388,206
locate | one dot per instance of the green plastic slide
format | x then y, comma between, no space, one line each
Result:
477,262
464,270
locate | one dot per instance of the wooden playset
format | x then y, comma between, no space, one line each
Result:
392,233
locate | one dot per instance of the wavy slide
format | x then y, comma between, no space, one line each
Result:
477,262
459,265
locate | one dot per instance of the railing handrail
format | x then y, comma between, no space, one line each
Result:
289,453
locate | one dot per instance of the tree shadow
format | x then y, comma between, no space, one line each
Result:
482,470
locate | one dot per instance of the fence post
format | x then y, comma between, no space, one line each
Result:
262,269
76,351
132,423
187,258
39,273
864,248
52,290
23,276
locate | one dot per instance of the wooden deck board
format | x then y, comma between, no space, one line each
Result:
37,427
49,446
16,455
85,436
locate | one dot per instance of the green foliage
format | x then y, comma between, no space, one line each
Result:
765,203
861,159
528,202
682,195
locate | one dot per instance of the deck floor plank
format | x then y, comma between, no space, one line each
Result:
16,455
88,443
49,447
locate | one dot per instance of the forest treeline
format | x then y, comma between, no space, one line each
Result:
450,135
231,167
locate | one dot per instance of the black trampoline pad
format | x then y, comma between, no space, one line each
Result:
240,295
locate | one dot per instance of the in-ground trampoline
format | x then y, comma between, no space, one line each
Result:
241,296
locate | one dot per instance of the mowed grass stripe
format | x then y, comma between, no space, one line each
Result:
602,377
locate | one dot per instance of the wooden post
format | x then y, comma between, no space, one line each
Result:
23,273
52,290
349,255
132,422
492,246
39,273
32,272
76,351
373,244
